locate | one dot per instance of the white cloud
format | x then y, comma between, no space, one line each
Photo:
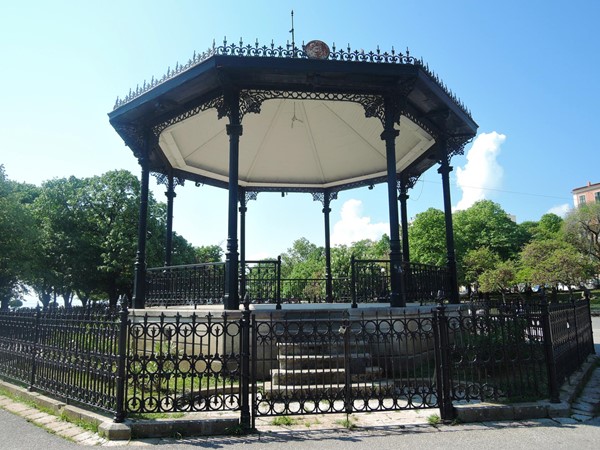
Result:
560,210
481,171
353,227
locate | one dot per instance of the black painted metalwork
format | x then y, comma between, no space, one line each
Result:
194,284
262,281
341,54
325,199
183,363
425,283
496,354
121,378
296,362
170,194
444,170
17,345
371,280
234,130
309,363
389,135
245,196
403,197
571,340
71,354
140,259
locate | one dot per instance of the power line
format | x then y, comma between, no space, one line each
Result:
501,190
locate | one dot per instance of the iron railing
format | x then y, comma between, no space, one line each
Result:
182,363
495,354
425,283
295,362
421,283
315,363
70,353
194,284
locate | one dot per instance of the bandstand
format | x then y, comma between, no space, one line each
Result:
315,120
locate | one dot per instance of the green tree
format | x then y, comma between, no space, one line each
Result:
554,261
111,218
63,250
88,237
550,225
582,229
17,236
486,224
427,238
501,278
478,261
208,254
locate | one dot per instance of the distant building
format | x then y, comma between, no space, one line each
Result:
586,194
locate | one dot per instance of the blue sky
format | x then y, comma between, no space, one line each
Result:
526,69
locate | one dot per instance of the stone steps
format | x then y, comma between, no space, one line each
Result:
325,376
331,391
323,361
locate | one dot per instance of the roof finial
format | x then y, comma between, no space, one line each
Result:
293,39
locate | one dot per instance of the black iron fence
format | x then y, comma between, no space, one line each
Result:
182,363
261,282
311,362
296,362
194,284
72,354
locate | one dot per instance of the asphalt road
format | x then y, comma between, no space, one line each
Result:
17,434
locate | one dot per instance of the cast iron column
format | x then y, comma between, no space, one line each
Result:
389,136
243,210
445,170
328,278
231,300
170,194
403,197
139,287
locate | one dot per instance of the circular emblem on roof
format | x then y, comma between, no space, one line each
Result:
317,50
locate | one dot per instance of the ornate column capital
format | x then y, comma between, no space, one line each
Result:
325,198
234,129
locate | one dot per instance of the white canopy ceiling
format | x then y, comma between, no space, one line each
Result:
293,144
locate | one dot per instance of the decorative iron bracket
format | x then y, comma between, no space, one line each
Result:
324,197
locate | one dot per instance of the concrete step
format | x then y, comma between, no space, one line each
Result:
326,376
330,390
323,361
317,348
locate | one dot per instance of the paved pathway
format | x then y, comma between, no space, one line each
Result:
585,409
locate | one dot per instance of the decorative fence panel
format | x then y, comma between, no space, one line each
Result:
77,355
370,280
307,363
182,363
196,284
17,344
71,353
296,361
495,355
572,338
261,281
425,283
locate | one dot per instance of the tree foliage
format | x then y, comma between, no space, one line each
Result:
500,278
17,237
208,254
582,229
427,238
486,224
478,261
554,261
87,241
